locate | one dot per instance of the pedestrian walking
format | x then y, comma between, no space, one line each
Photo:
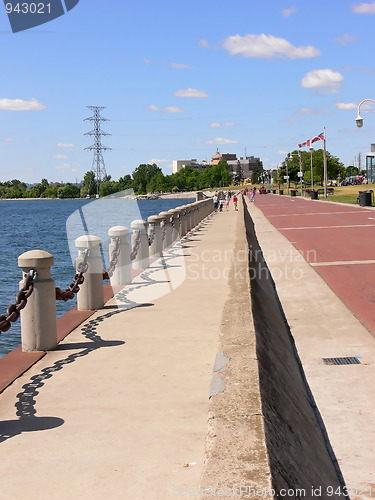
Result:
235,202
215,199
252,195
227,199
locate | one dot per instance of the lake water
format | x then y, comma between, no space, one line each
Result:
53,225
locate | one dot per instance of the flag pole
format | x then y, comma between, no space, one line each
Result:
325,164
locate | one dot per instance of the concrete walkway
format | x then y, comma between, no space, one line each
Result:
120,408
323,327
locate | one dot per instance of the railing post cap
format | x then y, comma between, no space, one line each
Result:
35,258
154,218
138,224
118,231
88,241
173,211
164,214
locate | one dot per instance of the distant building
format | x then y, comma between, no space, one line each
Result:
217,157
248,165
179,164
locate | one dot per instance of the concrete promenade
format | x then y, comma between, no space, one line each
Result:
323,327
120,409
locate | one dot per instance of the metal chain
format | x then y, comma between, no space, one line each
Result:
13,311
78,279
137,243
164,229
151,236
108,273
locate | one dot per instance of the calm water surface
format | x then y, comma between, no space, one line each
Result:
53,225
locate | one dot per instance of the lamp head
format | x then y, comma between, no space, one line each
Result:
359,121
311,149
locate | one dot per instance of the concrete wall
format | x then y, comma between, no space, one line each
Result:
299,452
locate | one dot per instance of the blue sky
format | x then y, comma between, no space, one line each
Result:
182,78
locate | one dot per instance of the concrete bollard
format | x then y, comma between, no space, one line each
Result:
122,273
38,319
194,217
175,224
189,217
141,260
90,295
167,241
154,224
182,229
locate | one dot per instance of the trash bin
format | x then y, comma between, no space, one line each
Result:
293,192
314,194
365,198
273,191
281,191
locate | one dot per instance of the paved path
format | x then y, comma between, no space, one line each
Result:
119,410
322,326
338,240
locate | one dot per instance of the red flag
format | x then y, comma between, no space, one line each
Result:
318,137
311,141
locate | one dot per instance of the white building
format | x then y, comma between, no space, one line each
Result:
179,164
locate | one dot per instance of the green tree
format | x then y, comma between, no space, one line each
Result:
142,176
238,176
68,191
89,184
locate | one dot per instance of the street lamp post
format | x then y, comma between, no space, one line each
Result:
287,176
300,173
359,123
311,149
359,119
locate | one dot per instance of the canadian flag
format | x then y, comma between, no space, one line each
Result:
311,141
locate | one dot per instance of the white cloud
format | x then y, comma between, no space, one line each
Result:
345,39
203,43
288,12
168,109
63,167
9,139
64,145
60,157
225,124
157,160
364,8
322,78
310,112
346,105
283,153
190,93
220,140
179,65
20,105
172,109
266,46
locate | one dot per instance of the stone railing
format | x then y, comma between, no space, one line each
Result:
149,239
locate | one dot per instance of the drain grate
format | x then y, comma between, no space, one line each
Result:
349,360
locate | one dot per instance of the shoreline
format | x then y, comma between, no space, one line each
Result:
152,196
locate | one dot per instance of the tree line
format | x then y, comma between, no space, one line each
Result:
145,178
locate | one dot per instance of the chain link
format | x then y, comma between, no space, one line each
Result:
164,229
13,311
137,244
151,236
78,279
108,273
